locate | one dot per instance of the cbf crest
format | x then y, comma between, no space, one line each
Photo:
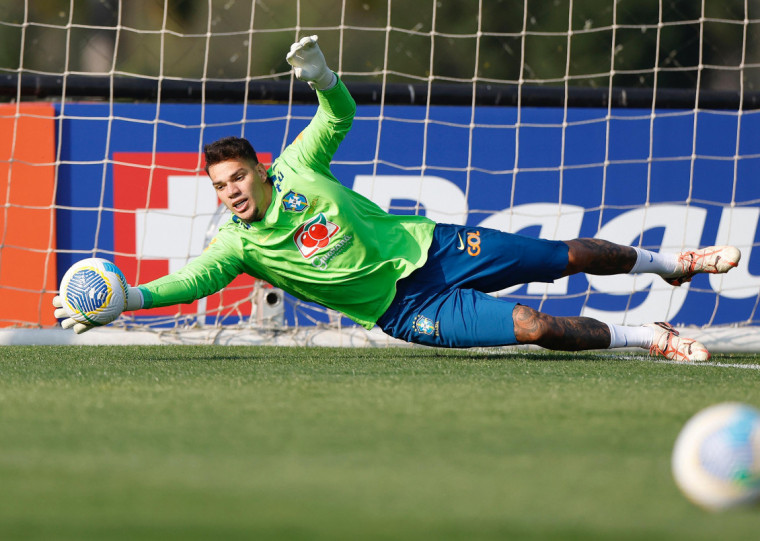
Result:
424,325
294,202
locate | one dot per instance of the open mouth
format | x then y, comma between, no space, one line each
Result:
240,205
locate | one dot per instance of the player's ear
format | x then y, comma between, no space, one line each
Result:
261,171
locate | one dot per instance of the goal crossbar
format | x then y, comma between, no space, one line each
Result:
83,86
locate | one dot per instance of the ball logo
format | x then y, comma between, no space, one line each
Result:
87,290
314,235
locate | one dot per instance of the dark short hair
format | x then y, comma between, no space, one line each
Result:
229,148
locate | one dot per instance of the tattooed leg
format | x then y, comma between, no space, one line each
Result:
595,256
559,333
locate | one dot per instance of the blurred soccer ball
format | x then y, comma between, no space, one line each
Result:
716,458
94,291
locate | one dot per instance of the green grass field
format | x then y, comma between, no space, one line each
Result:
210,442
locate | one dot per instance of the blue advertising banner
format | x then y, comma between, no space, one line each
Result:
131,186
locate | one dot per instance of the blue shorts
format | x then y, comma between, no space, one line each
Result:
445,302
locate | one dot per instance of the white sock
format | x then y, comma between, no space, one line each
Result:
623,336
656,262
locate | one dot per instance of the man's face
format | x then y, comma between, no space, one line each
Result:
243,188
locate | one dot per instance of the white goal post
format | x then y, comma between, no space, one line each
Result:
633,122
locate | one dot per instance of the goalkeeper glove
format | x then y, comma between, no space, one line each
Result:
134,302
309,64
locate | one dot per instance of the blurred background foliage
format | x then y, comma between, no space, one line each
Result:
519,39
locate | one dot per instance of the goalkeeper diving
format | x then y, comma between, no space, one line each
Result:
295,226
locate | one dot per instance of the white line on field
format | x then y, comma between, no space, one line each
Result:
708,363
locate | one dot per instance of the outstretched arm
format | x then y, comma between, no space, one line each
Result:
210,272
317,143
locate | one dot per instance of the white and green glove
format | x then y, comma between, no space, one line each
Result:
134,302
309,64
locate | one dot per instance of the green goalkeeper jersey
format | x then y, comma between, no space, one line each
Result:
318,240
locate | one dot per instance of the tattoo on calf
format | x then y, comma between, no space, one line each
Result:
603,257
559,333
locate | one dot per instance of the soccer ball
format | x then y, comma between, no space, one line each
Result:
94,291
716,458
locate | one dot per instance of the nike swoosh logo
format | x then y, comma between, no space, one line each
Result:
651,258
461,242
626,341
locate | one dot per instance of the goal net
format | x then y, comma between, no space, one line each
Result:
632,121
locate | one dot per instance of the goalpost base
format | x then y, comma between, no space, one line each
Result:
326,337
731,339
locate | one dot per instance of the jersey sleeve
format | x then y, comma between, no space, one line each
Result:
316,145
210,272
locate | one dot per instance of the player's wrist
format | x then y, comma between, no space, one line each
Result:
135,299
326,81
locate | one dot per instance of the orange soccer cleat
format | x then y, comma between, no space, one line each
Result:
669,344
713,260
